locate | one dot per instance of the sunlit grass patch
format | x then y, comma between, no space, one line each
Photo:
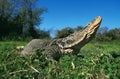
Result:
95,60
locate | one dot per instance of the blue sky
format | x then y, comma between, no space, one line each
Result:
64,13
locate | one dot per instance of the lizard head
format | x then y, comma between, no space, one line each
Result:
80,38
92,27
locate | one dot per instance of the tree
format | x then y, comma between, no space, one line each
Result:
102,30
20,17
67,31
78,28
5,16
114,34
30,14
64,32
101,34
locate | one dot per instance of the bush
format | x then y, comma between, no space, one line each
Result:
64,32
102,38
114,34
67,31
106,35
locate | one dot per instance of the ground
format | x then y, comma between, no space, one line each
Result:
95,60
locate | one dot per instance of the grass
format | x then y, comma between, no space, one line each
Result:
95,61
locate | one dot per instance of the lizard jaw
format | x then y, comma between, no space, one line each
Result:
80,38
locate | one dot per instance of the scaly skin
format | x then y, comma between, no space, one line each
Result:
70,44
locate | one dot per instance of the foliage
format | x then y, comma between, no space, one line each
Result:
67,31
102,30
79,28
114,34
103,34
19,17
43,34
102,38
64,32
99,63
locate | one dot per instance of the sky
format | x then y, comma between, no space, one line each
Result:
73,13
